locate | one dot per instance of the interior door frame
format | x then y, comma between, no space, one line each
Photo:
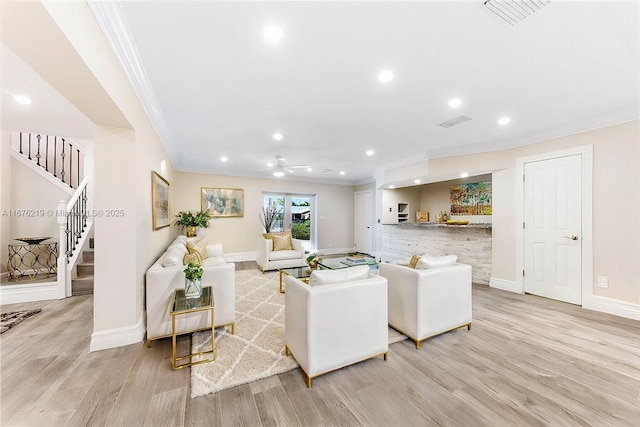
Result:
371,224
586,153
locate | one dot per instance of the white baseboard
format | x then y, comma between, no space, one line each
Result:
240,256
612,306
506,285
13,294
118,337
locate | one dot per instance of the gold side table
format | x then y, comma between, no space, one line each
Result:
32,259
181,306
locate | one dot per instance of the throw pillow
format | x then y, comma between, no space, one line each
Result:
414,261
194,257
326,277
198,246
439,261
171,258
282,241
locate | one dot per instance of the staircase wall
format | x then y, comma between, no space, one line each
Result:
5,197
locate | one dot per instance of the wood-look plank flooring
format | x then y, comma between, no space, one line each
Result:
528,361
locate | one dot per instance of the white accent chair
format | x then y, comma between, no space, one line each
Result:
338,322
268,259
424,303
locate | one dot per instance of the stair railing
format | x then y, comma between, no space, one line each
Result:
75,219
56,155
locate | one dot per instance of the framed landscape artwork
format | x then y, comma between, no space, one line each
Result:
159,201
471,199
223,202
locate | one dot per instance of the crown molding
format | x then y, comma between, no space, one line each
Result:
112,21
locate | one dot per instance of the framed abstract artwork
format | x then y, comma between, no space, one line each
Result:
159,201
471,199
223,202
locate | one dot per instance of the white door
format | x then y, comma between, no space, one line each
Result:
552,228
363,221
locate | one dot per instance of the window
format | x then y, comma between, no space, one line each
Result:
297,214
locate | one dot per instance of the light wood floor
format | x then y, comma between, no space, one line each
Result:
527,361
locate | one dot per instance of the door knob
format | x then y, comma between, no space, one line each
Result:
573,237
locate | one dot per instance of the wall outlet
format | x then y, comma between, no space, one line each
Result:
603,281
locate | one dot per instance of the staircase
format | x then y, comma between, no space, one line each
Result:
83,283
68,166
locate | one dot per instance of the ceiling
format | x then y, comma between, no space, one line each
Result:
214,87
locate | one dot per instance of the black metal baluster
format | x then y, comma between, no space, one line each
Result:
70,164
21,143
68,236
62,155
29,146
84,208
78,167
55,155
38,153
46,159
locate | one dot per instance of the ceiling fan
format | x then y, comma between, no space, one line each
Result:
279,168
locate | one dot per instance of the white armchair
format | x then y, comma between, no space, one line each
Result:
268,259
429,302
333,325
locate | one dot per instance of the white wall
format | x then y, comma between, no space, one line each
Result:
239,234
5,198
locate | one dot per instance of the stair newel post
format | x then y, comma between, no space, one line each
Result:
64,279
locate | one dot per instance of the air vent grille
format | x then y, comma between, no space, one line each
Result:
514,11
455,121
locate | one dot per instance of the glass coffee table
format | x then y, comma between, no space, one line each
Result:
302,273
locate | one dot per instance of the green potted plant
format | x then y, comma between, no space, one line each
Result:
192,220
312,260
193,280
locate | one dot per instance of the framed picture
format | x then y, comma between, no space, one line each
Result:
159,201
223,202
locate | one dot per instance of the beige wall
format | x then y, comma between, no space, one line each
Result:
5,198
616,241
239,234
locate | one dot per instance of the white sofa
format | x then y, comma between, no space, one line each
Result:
427,302
166,274
335,324
268,259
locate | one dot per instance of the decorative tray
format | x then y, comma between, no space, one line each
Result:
456,222
32,240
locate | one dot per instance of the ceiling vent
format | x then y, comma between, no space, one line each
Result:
514,11
455,121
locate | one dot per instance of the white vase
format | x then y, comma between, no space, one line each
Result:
192,288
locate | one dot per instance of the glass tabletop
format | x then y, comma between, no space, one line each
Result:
180,303
298,272
345,261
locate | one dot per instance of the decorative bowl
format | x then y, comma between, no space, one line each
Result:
457,222
32,240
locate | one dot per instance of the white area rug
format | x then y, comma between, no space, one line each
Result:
256,351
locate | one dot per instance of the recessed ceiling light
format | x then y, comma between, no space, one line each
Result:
385,76
269,165
309,169
503,121
272,33
278,174
370,153
224,159
278,136
392,186
455,102
464,175
21,99
417,181
343,173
